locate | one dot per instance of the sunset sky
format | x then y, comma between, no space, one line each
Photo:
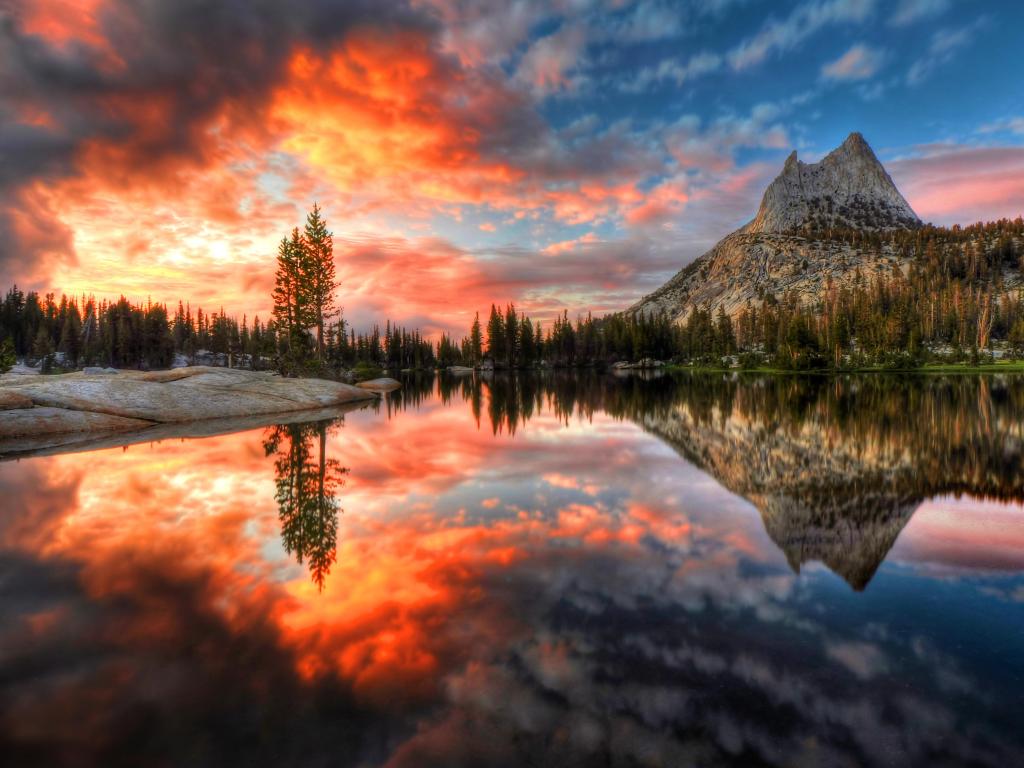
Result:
555,153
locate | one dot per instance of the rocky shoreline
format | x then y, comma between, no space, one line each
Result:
45,411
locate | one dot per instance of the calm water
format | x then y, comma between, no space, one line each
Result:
550,572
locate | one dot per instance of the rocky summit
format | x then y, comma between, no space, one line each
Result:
848,188
786,247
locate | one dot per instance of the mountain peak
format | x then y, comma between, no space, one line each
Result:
856,139
849,187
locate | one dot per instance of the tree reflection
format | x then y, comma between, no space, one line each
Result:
307,483
835,465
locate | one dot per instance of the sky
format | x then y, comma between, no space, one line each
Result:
558,154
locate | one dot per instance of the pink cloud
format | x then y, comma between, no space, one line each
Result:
950,184
858,63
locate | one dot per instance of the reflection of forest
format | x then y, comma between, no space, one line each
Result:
307,484
836,465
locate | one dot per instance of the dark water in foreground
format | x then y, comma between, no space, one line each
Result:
570,571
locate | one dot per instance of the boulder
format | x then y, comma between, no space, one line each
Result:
383,384
37,422
95,438
20,369
186,394
10,401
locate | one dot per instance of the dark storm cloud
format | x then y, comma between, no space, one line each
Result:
150,81
194,56
138,94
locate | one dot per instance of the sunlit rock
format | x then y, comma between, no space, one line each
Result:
775,254
74,402
13,400
383,384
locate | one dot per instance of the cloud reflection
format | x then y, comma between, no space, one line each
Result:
617,605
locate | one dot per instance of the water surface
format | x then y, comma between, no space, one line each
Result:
543,570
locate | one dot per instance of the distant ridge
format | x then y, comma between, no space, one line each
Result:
776,252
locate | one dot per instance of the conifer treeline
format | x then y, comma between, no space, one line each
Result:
85,331
952,296
121,334
953,299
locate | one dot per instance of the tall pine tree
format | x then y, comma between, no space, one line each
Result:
292,313
496,346
476,344
319,274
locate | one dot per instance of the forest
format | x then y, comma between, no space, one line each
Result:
960,299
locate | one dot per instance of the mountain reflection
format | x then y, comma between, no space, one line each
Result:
306,483
835,466
526,575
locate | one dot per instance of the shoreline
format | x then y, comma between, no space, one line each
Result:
42,411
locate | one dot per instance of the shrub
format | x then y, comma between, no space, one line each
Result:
7,358
364,371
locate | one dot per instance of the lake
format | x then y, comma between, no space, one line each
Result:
545,570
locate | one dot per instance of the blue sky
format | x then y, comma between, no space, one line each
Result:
564,154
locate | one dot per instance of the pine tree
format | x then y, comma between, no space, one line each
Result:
527,344
71,336
476,341
496,346
319,274
42,350
724,336
7,356
511,335
292,303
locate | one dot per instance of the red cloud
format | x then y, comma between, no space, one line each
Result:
175,174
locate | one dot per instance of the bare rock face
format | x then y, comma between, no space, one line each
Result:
772,255
848,188
96,403
44,422
10,401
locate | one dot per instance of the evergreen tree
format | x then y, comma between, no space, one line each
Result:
319,277
511,336
7,356
724,336
42,350
496,346
292,303
476,351
71,336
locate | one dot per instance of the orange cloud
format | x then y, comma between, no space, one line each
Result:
174,174
374,117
